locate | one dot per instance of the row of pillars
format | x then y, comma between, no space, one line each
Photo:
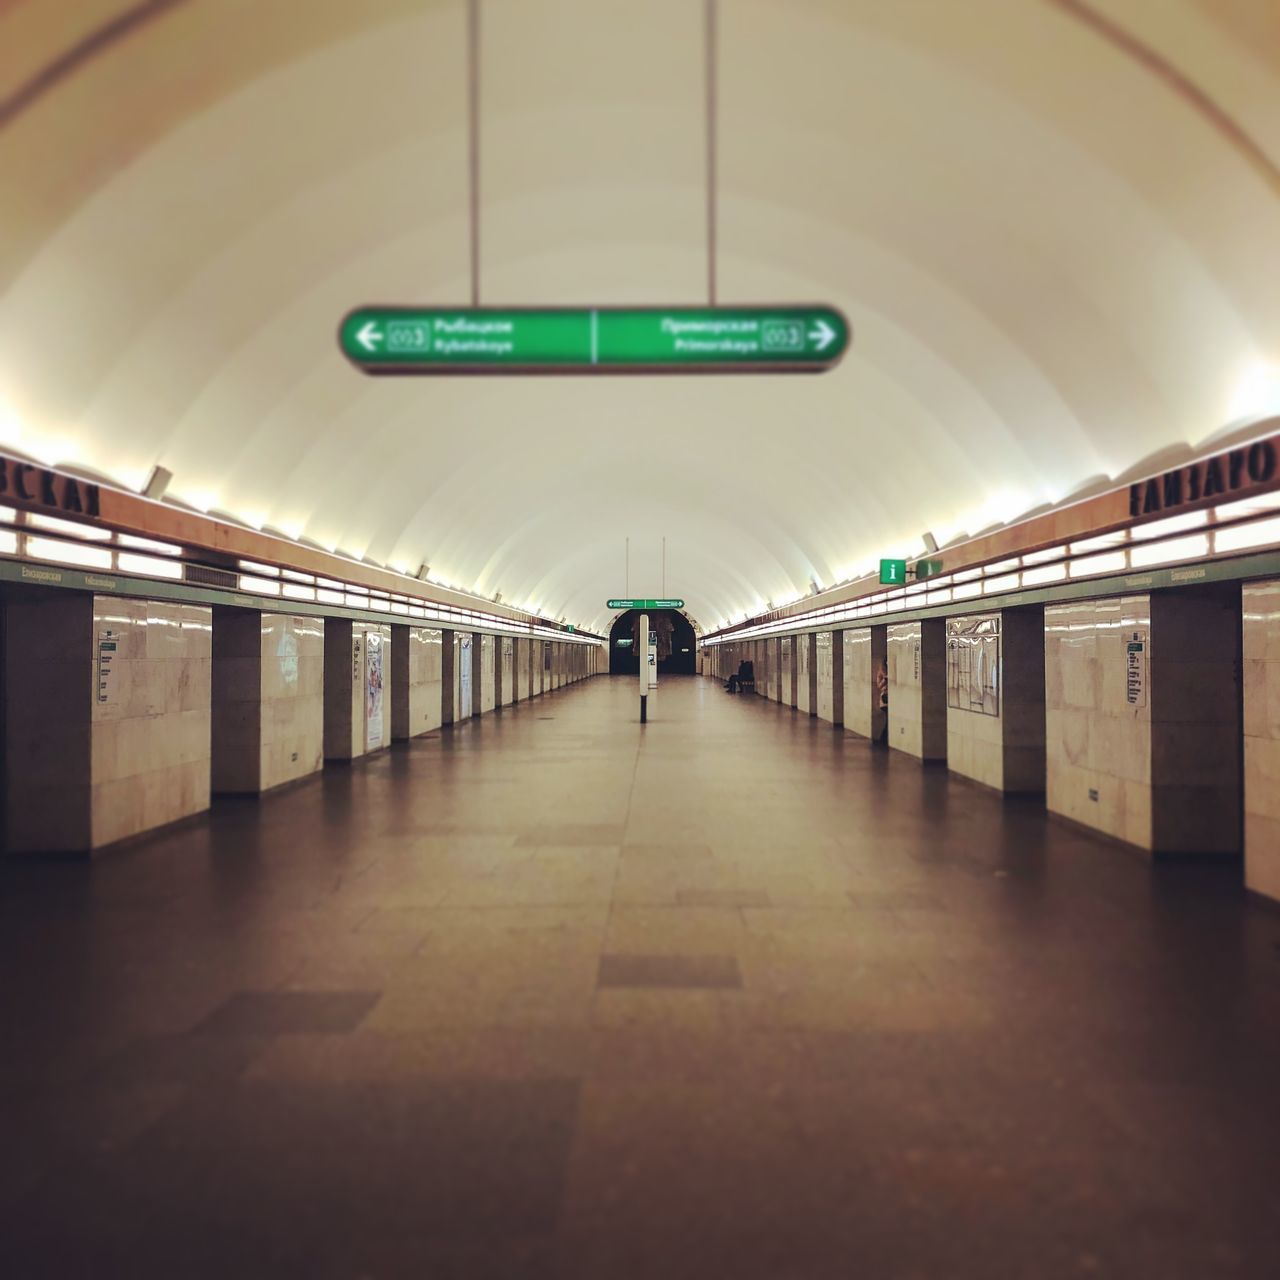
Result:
122,716
1152,718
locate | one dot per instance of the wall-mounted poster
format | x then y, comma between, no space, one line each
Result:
462,672
373,690
1135,680
973,664
287,656
108,645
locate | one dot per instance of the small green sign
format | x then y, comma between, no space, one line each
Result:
893,572
927,569
430,340
644,604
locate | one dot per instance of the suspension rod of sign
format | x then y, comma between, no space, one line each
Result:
434,340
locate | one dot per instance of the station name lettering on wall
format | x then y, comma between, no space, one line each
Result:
26,482
1219,476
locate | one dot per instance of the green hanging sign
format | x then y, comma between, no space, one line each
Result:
580,340
644,604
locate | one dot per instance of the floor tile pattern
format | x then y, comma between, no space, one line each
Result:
732,995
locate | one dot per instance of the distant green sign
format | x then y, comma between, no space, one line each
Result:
893,572
427,340
644,604
927,569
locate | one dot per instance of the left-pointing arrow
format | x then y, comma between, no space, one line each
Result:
369,335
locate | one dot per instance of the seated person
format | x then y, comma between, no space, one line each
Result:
746,671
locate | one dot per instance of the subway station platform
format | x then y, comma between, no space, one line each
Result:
547,994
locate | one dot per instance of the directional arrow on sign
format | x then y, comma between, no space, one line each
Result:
369,336
824,335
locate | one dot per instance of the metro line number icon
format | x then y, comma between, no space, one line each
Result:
782,335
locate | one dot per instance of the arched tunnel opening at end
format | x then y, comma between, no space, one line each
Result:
677,645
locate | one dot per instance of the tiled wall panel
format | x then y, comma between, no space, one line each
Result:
864,655
1262,737
804,664
826,702
357,681
916,659
1098,745
1006,750
292,657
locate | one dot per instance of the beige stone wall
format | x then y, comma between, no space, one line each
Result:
1006,751
520,666
417,691
508,644
859,680
268,700
975,747
1166,775
487,663
826,703
1262,737
292,658
448,679
1098,746
351,728
463,676
102,742
151,736
804,664
916,653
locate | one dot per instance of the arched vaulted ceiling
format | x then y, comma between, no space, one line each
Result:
1055,228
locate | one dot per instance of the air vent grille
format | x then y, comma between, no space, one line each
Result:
207,577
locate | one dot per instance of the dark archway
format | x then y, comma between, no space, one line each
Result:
677,646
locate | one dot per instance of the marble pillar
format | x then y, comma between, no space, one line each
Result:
448,676
917,663
1262,738
1144,721
107,719
357,672
995,698
268,700
830,676
417,681
864,654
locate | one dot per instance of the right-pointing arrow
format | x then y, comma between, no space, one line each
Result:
369,335
824,335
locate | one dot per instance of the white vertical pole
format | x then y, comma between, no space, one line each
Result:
643,655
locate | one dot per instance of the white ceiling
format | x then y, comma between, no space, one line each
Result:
1059,255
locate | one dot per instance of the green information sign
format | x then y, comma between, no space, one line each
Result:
426,340
644,604
893,572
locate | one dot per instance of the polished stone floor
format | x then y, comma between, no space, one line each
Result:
734,996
